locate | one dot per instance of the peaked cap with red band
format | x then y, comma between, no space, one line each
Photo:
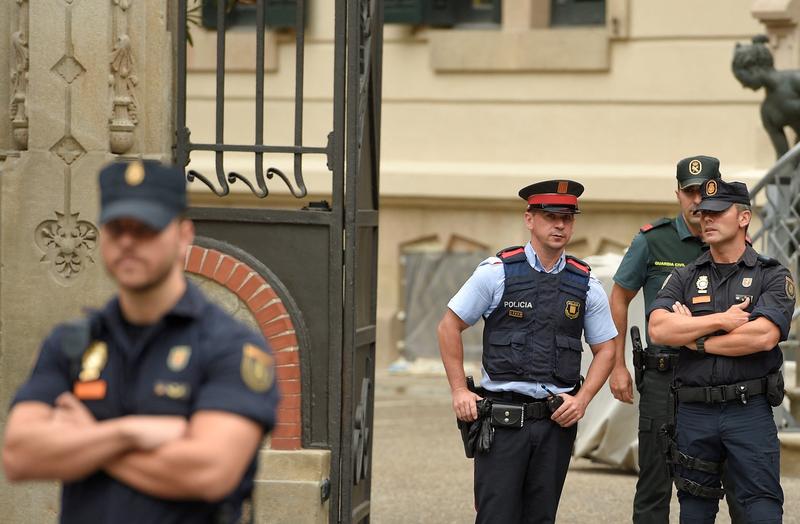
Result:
553,196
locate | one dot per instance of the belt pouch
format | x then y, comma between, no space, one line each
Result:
775,389
507,415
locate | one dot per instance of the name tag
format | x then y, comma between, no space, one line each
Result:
701,300
90,390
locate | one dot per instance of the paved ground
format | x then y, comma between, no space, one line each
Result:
420,474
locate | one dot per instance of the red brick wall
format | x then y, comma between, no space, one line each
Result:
275,324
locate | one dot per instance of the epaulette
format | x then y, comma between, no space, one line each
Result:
767,261
511,254
75,339
658,223
578,263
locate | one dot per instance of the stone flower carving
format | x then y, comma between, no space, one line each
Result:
68,245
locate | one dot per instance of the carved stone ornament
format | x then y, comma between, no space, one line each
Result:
19,79
122,80
68,245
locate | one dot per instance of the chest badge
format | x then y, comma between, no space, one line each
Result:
702,284
178,358
94,360
572,309
258,371
705,299
515,313
747,282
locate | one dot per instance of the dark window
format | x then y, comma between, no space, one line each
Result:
443,13
278,14
577,12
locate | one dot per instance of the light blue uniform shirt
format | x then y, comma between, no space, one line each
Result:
481,294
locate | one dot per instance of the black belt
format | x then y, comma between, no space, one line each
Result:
660,361
535,408
718,394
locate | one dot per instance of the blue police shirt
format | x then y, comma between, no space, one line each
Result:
193,359
481,294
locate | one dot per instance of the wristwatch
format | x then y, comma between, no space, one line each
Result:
701,345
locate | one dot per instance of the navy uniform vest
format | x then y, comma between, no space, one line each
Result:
535,332
706,292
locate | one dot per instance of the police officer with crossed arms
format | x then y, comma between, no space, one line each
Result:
728,310
536,302
153,408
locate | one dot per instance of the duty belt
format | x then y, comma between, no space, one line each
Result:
535,409
718,394
659,361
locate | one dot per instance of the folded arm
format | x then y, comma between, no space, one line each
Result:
208,463
759,335
38,445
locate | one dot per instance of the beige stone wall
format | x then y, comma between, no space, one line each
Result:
49,265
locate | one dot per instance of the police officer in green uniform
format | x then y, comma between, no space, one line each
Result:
655,251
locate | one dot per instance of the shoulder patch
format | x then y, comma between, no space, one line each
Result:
258,370
658,223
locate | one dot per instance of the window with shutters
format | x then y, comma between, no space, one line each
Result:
278,14
577,12
443,13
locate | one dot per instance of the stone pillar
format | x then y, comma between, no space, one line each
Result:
90,80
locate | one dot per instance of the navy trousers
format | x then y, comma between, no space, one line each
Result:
521,477
743,436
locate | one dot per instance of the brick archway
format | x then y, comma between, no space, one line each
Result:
275,324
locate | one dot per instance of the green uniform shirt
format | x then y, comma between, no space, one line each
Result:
655,251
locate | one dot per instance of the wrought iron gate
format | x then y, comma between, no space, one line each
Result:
323,255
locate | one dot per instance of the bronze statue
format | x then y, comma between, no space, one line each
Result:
754,68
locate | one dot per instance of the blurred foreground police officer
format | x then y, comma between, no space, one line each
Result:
655,251
536,303
152,409
728,309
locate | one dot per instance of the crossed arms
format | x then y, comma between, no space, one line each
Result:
162,456
742,336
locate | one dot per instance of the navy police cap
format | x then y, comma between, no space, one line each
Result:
144,190
719,195
695,170
553,196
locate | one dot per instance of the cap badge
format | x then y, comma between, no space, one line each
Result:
562,187
711,188
747,282
702,284
695,167
134,174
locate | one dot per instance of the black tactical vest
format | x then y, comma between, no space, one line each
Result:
706,292
534,334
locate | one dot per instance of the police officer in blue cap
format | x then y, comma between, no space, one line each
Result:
537,303
727,310
153,408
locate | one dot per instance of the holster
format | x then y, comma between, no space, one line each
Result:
478,434
638,367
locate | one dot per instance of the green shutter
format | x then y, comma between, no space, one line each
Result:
279,14
408,12
441,13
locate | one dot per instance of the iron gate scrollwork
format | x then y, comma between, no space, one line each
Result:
326,255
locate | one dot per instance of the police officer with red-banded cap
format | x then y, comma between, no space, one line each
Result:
537,303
